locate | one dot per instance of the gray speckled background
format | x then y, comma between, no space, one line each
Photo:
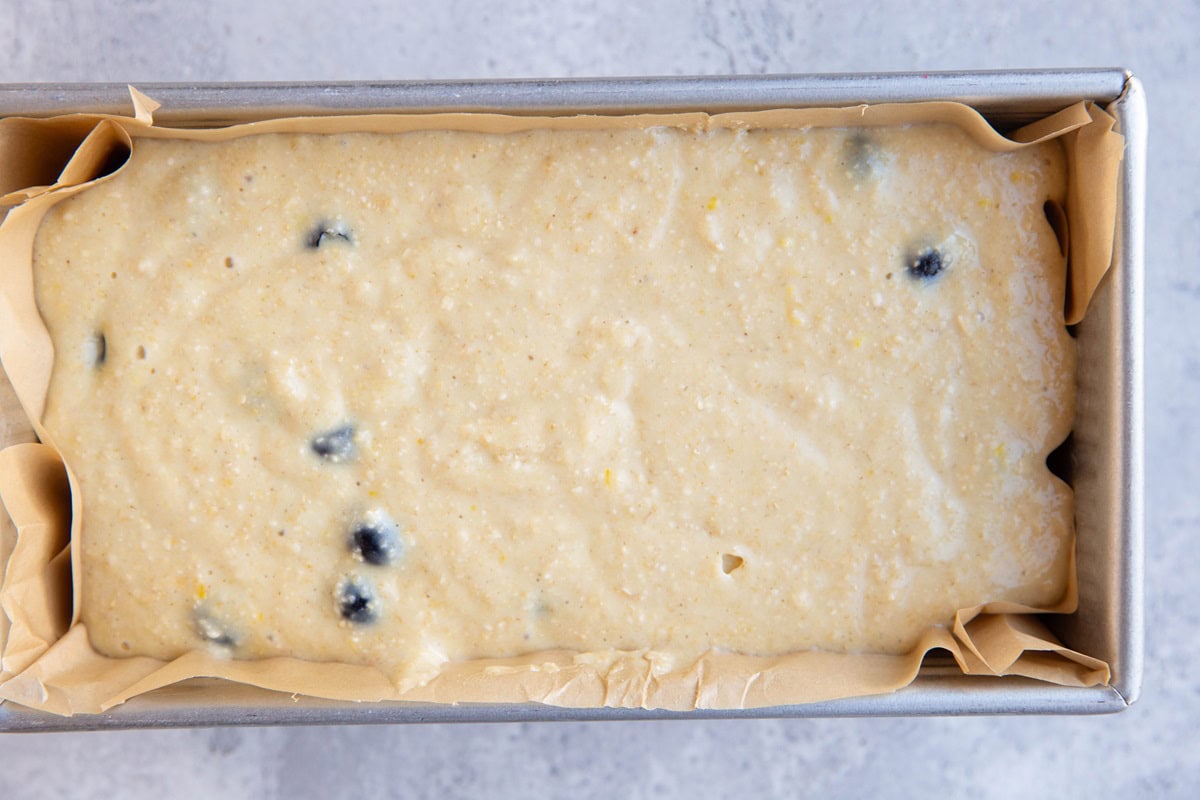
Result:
1148,750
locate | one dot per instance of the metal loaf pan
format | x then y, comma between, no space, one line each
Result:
1106,458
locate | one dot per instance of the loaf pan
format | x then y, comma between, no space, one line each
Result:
1105,458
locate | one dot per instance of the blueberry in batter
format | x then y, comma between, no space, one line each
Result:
212,631
335,445
860,155
356,602
926,264
328,233
95,350
376,541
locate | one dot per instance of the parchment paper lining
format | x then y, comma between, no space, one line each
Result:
47,662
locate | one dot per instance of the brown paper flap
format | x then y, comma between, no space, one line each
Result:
105,150
64,675
1047,128
143,107
1019,644
37,585
1094,154
35,151
14,429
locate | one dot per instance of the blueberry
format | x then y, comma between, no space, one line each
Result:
327,233
927,263
860,155
212,631
376,540
335,445
95,349
355,602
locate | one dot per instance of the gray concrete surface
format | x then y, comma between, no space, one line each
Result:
1149,750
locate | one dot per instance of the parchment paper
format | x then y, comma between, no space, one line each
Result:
46,659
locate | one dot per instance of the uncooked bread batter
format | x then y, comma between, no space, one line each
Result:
406,399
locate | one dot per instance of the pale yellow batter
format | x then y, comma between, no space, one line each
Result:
406,399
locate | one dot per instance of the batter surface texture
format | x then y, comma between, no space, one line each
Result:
404,399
